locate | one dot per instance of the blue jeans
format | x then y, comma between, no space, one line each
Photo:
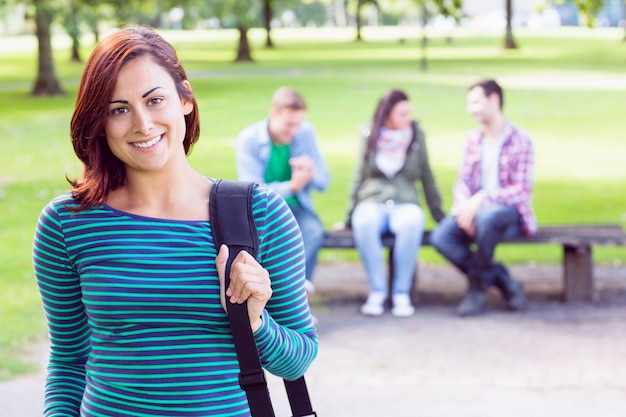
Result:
474,256
406,221
312,236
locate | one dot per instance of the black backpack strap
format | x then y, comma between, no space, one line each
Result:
299,399
232,223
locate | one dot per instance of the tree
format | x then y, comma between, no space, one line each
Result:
47,83
428,8
357,16
509,41
425,17
71,22
243,13
267,20
589,9
452,8
91,12
95,11
243,48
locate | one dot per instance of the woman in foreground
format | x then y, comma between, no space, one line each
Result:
126,265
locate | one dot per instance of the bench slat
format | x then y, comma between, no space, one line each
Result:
564,235
576,240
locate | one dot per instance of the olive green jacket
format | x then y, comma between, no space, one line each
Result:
370,184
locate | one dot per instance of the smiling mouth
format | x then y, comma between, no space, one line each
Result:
148,144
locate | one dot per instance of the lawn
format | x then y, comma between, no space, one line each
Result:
567,88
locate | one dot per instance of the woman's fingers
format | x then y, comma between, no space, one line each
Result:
220,264
248,279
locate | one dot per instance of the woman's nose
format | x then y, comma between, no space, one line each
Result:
142,122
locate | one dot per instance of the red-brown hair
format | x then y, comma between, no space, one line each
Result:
103,171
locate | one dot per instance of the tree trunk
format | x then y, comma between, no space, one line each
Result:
424,60
93,26
75,50
509,41
47,83
359,24
243,50
73,29
267,16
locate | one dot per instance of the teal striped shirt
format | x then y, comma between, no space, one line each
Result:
135,322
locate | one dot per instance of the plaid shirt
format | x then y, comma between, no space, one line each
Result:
516,164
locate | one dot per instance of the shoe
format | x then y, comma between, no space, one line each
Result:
512,291
374,306
515,296
472,304
402,306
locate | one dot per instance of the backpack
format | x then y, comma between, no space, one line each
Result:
232,222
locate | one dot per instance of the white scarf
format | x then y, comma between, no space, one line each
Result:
391,147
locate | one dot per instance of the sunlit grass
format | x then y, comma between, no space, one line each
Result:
567,88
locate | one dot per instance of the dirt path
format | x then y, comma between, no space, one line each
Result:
553,360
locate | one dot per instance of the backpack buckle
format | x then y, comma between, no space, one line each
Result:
251,379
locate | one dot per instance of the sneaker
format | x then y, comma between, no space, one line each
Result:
402,306
473,303
374,306
515,296
512,291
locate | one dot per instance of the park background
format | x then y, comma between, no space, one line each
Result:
566,85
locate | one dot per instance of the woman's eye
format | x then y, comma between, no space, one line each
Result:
117,111
155,100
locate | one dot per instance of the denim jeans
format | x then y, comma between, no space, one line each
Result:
312,235
406,221
474,256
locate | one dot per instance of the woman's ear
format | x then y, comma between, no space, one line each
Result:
187,104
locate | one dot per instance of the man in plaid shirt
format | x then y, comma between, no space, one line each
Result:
492,201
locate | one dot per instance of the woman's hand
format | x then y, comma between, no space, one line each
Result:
248,281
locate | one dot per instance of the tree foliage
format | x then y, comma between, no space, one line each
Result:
449,8
588,9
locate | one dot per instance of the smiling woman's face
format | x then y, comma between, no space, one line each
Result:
145,123
400,116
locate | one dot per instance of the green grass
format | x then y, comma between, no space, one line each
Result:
567,88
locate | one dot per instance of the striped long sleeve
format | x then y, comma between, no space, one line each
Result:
135,323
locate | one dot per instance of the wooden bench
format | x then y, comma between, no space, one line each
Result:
576,240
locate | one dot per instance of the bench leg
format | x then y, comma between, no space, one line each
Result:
577,273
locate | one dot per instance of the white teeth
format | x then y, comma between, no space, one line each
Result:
147,144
